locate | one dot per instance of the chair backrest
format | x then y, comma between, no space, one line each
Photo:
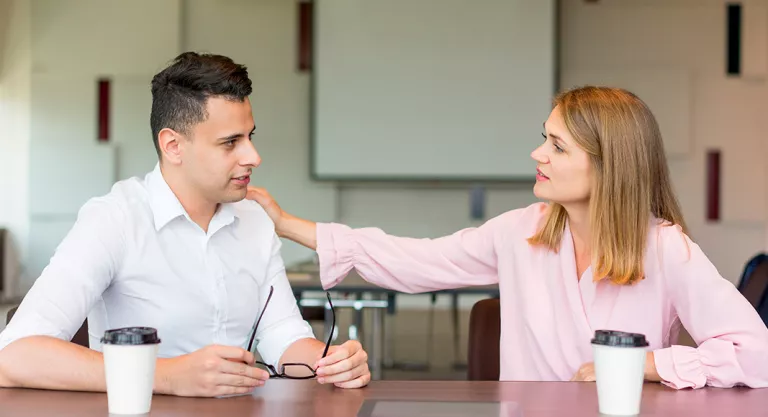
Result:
484,340
754,284
80,338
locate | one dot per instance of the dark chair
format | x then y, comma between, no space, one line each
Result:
313,313
80,338
754,284
484,340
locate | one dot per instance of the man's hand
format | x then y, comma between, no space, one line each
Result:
345,366
209,372
265,200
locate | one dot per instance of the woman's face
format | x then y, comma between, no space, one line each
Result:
564,171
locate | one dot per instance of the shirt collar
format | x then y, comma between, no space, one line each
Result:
167,207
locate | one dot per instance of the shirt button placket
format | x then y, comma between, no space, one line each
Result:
210,271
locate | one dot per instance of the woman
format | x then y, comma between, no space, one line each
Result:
609,251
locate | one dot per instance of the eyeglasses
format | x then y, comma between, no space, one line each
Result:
291,368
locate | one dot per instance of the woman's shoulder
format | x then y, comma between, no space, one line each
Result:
525,219
670,242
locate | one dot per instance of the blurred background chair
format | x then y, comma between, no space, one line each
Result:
484,340
754,284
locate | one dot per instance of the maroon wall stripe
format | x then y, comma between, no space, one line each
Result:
713,185
103,110
305,18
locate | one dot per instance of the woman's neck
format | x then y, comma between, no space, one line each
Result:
581,230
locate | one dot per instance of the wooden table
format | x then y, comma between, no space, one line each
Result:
307,398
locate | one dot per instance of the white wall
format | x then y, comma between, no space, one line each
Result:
262,35
670,51
15,82
73,44
679,47
394,75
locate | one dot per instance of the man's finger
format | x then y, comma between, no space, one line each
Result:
242,369
232,380
345,365
337,368
223,390
350,375
355,383
342,352
236,353
339,355
331,350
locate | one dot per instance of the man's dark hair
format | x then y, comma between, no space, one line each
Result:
180,91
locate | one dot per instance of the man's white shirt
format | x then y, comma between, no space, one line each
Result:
135,258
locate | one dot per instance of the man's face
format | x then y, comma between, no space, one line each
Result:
218,156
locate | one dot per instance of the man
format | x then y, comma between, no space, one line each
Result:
179,251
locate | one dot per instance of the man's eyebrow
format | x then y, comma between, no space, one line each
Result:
235,136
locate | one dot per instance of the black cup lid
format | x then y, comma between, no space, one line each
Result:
131,336
619,339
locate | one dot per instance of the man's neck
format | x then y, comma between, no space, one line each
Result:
199,210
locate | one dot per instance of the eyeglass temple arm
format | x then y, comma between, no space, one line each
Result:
253,335
333,326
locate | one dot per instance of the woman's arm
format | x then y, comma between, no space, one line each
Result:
732,339
301,231
466,258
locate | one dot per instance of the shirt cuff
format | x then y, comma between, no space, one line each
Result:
335,254
680,367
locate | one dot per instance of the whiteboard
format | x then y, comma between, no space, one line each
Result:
430,89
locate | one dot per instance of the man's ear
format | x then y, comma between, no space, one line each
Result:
170,145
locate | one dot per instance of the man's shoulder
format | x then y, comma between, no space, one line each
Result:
126,199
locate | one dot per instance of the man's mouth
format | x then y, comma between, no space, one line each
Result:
242,179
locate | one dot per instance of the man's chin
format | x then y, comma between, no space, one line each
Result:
234,196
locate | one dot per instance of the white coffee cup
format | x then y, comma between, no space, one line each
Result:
130,355
619,371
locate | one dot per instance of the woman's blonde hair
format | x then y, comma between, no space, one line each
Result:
630,181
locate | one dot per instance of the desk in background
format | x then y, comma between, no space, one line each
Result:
307,398
305,278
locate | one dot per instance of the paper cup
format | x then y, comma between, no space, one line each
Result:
619,371
130,355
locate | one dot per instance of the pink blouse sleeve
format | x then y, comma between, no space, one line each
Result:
732,339
465,258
